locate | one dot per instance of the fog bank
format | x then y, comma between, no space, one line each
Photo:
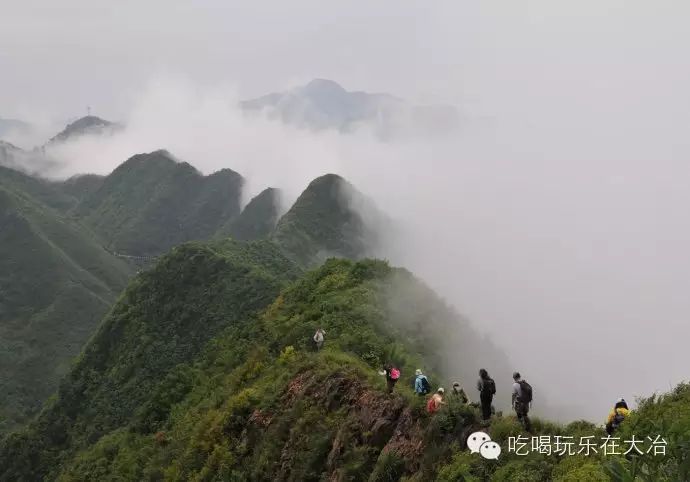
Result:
573,264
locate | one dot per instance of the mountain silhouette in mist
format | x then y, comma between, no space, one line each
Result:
322,223
324,104
87,125
258,218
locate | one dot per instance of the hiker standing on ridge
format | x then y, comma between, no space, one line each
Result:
522,397
421,384
435,401
487,390
318,338
392,376
459,394
617,415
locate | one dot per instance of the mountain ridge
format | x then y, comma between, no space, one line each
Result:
252,399
87,125
151,202
111,214
325,104
57,282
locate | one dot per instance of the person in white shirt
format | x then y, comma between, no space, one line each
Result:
319,338
522,397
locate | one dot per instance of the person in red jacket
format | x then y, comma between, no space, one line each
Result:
435,402
392,376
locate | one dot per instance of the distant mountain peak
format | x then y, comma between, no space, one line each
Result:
325,220
323,86
258,218
325,104
160,202
89,124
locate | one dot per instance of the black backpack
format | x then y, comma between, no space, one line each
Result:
525,391
489,386
617,419
426,387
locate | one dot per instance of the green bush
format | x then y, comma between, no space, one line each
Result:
389,468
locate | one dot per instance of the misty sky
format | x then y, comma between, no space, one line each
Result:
557,216
58,57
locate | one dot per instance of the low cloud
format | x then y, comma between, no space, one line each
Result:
563,238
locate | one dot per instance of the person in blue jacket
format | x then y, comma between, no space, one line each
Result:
421,384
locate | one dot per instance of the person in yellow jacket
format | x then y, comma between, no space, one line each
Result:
617,415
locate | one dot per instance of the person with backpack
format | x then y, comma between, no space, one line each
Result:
392,376
487,390
459,394
421,384
435,402
319,338
617,415
522,397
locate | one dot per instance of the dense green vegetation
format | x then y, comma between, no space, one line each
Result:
56,282
82,186
59,275
667,417
151,203
44,192
164,318
205,370
209,324
322,223
258,218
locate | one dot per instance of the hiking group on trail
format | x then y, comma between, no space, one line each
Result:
521,393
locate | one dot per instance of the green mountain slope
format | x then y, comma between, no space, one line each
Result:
207,326
81,186
322,223
205,370
165,317
42,191
258,219
151,203
253,401
56,283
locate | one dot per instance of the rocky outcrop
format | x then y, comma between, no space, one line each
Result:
373,419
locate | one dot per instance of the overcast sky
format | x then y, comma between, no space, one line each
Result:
61,56
556,217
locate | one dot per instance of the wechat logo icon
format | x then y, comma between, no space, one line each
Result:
480,442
